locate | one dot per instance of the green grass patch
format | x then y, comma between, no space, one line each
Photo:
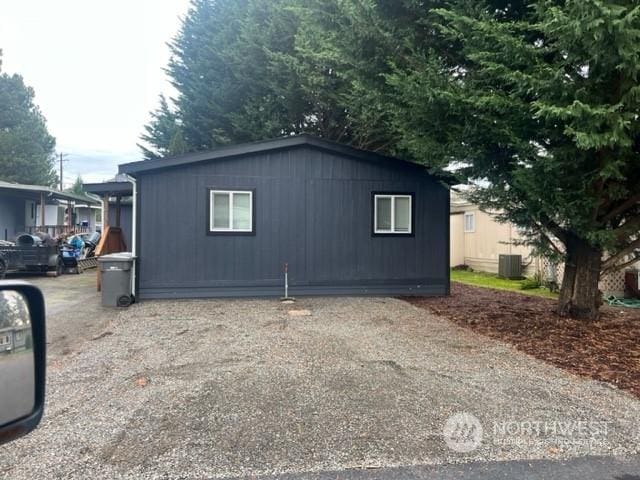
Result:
491,280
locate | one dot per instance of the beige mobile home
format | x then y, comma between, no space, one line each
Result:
477,238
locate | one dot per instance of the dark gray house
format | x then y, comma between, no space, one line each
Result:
346,221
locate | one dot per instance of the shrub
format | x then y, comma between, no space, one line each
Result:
530,284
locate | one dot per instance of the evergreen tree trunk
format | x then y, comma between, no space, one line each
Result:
579,294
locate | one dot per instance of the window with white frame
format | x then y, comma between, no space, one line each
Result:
469,222
231,211
392,213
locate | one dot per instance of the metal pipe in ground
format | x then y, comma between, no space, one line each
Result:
286,297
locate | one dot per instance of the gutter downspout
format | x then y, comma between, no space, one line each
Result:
134,233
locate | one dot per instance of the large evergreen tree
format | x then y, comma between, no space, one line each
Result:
542,106
342,55
246,70
233,85
160,132
26,147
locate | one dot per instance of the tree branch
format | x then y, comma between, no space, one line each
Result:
623,207
627,228
611,261
556,229
614,267
544,235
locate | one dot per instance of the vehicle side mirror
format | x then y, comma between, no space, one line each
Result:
22,358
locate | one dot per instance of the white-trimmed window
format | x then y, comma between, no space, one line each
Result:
469,222
231,211
392,213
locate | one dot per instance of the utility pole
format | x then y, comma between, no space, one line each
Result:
69,209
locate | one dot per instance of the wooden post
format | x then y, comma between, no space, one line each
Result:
42,205
105,212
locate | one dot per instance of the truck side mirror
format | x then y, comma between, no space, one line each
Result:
22,358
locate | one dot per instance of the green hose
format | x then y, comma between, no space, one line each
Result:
623,302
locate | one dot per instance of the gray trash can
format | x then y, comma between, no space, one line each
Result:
116,279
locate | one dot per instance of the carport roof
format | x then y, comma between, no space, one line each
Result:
265,146
112,188
35,191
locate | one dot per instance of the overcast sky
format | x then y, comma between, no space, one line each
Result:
97,70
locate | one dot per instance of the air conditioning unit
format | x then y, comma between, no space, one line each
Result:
510,266
632,283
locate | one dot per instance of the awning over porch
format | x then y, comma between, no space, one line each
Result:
36,193
111,188
40,196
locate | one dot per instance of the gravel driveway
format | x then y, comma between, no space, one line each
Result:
220,388
74,314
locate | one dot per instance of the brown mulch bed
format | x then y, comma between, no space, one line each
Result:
607,350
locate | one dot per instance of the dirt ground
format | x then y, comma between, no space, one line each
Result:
222,388
74,314
606,350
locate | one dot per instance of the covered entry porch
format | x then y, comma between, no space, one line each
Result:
36,208
117,215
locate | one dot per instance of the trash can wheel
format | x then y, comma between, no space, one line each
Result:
124,300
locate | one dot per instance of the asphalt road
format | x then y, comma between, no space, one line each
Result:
584,468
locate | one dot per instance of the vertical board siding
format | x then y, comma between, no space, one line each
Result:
312,211
12,216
